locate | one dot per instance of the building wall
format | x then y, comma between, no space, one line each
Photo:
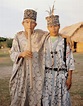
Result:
79,47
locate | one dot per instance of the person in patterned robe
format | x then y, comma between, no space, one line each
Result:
20,91
58,73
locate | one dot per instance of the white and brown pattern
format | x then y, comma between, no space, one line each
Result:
55,91
20,91
52,20
30,14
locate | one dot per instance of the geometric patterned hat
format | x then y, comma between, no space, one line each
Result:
52,19
30,14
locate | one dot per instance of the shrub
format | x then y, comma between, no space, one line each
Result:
9,43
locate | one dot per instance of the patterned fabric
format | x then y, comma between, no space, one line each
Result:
55,91
20,91
52,20
30,14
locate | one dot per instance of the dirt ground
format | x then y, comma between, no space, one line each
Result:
5,72
76,90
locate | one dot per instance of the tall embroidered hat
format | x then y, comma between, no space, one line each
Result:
30,14
52,19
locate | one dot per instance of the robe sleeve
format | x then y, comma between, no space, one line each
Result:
69,59
15,50
38,39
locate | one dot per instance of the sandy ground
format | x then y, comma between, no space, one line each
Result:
77,81
5,72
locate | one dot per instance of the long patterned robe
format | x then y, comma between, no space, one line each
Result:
20,91
55,91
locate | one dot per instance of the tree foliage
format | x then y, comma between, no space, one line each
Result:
9,43
5,42
2,39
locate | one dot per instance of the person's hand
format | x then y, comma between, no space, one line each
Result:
68,83
26,53
69,41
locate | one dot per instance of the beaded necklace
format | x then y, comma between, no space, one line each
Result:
53,52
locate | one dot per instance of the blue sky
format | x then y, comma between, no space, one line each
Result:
11,13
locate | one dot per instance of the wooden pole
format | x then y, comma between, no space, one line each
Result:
30,60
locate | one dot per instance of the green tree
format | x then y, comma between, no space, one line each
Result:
2,39
9,43
0,45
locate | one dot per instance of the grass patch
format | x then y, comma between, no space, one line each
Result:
4,92
4,52
78,57
76,90
5,62
5,58
4,55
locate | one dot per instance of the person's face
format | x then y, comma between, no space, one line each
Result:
29,24
54,30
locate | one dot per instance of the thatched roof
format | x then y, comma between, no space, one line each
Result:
75,31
